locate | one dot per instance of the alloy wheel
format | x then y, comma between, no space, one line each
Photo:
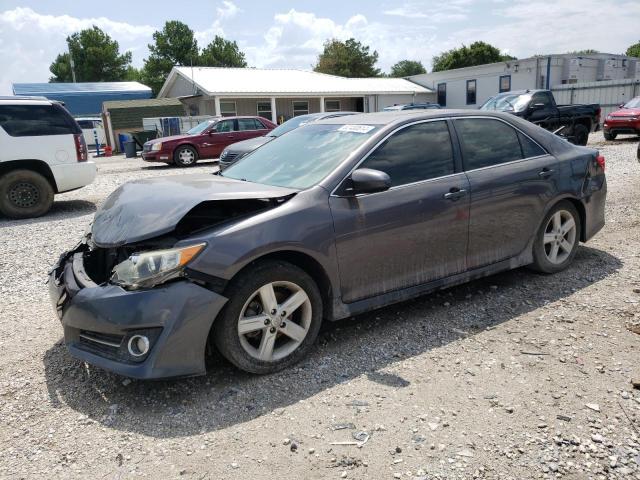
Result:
274,321
186,156
560,236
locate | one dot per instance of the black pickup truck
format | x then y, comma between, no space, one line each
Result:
539,107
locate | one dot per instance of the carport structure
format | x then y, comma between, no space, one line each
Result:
280,94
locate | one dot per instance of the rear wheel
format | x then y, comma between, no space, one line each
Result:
185,156
25,194
580,135
609,136
557,240
271,320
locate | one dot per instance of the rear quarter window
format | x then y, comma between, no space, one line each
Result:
36,120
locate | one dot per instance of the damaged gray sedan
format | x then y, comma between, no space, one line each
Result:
333,219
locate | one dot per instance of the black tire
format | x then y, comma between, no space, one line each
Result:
541,253
182,155
609,136
580,135
25,194
240,291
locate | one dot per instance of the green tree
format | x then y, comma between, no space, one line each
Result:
586,51
174,45
406,68
347,59
96,58
478,53
222,53
133,74
634,50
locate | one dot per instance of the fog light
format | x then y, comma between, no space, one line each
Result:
138,345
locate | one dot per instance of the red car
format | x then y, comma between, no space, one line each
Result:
206,140
625,120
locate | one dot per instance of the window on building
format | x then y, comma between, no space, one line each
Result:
505,83
228,109
442,94
264,110
36,120
332,105
300,108
487,142
416,153
471,92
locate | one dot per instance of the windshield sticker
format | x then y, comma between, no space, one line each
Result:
356,128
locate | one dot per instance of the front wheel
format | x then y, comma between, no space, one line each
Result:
185,156
25,194
272,318
557,240
609,136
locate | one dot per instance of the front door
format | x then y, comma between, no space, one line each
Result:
212,141
512,179
412,233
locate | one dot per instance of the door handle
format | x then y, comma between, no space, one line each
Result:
454,194
230,136
545,173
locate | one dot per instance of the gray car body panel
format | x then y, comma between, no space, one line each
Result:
337,235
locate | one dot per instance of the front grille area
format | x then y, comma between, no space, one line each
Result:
103,344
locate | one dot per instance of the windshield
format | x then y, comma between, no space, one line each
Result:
301,158
290,125
635,103
200,127
507,103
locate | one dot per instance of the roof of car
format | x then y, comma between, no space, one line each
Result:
388,117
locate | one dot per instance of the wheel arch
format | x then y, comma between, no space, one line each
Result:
308,264
186,144
37,166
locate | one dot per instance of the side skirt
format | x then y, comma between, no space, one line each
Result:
344,310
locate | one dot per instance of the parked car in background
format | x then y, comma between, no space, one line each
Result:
539,107
206,140
412,106
333,219
236,151
42,152
624,120
90,128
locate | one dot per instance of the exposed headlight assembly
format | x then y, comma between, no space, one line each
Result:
155,147
147,269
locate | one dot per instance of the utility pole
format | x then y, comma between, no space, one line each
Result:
73,71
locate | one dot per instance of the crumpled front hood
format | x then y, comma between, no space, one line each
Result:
148,208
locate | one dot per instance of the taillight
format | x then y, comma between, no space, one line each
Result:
81,147
598,111
600,161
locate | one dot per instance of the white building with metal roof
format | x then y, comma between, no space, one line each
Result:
280,94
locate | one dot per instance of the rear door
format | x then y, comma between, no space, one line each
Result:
511,179
412,233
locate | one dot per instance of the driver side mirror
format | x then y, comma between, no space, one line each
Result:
621,105
367,180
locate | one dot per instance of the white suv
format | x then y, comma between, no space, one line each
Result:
42,152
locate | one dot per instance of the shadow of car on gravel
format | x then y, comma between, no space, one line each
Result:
60,210
345,350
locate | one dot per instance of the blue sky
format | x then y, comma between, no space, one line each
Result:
279,33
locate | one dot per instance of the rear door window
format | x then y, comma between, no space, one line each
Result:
248,124
486,142
415,153
36,120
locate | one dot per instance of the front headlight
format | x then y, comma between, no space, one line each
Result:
147,269
156,146
225,152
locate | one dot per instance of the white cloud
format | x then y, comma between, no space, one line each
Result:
30,42
227,11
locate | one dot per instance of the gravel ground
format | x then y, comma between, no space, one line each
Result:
515,376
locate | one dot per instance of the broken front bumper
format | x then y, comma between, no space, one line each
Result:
99,321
